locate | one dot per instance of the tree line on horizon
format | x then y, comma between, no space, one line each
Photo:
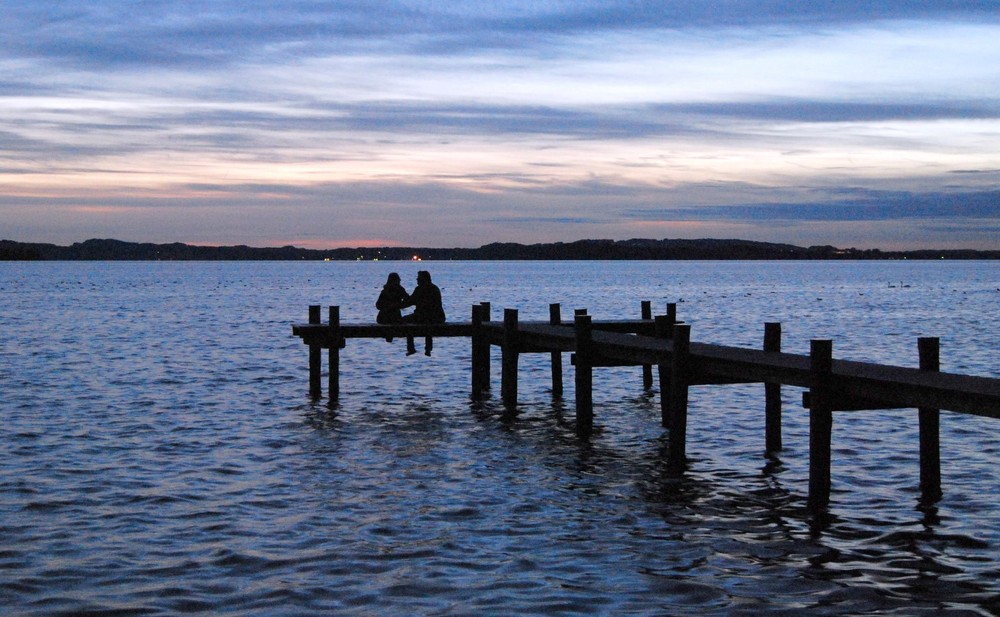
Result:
635,249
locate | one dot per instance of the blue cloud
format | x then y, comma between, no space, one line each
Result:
106,33
838,111
865,205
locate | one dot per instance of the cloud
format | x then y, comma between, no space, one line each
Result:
483,119
791,110
124,33
864,205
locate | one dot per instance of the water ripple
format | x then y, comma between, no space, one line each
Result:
169,461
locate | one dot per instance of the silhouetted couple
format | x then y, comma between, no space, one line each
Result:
425,300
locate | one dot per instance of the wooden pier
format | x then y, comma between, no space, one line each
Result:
664,343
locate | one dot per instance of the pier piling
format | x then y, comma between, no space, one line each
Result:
820,422
677,405
930,419
555,319
583,328
664,325
772,393
315,357
334,360
509,354
480,352
646,312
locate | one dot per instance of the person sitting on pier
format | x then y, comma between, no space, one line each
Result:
428,309
391,301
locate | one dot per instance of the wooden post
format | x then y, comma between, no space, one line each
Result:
647,369
772,393
678,403
820,423
672,312
555,318
336,341
486,349
930,427
315,357
478,342
508,378
583,327
664,330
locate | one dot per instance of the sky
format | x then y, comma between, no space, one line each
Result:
333,123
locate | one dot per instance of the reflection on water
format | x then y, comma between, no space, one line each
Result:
162,457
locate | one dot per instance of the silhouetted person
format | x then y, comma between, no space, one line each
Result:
427,308
391,301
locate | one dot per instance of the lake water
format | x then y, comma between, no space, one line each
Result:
159,453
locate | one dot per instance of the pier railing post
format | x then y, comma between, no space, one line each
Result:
680,371
510,353
646,312
664,329
315,357
820,422
930,427
555,318
336,340
772,393
583,328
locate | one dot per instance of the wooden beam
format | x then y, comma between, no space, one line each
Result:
845,402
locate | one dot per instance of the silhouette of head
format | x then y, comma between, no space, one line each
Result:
423,276
393,279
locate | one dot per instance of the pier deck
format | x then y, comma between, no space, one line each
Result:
664,343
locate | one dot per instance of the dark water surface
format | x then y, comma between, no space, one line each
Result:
159,454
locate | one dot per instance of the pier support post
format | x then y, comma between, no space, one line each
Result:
664,329
555,318
315,357
820,423
930,428
336,342
480,354
677,406
486,350
583,327
510,353
646,312
772,393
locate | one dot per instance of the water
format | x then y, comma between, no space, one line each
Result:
160,455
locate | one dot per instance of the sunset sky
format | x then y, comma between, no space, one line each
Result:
324,123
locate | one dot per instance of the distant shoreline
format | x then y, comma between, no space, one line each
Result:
590,250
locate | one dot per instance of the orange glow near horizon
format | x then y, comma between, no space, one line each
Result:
326,244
